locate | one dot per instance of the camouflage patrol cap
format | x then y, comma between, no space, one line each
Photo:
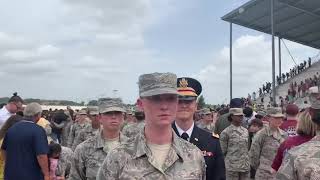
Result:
275,112
314,97
110,104
236,111
206,111
93,110
157,83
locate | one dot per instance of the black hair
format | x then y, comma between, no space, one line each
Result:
258,116
247,111
2,104
15,98
139,116
20,113
54,148
257,122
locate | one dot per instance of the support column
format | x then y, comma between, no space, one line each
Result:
230,60
273,55
279,44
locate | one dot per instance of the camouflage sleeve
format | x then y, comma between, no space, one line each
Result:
224,138
204,167
255,149
111,166
78,168
71,136
286,171
216,127
64,163
77,140
124,131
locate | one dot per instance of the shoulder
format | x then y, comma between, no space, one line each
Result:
66,150
119,156
308,149
189,150
224,116
262,132
282,132
244,129
85,146
208,137
227,129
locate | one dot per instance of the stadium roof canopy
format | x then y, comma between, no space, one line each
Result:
294,20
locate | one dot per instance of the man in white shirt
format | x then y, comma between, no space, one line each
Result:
14,105
188,90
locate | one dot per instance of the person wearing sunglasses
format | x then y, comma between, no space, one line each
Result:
11,108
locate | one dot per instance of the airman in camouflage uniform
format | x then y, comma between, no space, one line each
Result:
303,162
234,145
137,158
66,130
204,124
64,162
132,130
265,145
81,122
89,155
223,122
88,131
134,160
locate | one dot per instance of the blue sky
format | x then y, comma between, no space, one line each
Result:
82,50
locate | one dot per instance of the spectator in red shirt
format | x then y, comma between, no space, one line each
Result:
306,129
290,123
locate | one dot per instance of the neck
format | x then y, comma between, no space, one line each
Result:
207,122
107,134
8,108
185,125
95,126
291,117
273,129
156,135
236,123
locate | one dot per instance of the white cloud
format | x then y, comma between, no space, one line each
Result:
251,68
91,47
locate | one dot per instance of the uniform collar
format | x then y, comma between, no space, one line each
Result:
189,131
141,148
100,142
279,133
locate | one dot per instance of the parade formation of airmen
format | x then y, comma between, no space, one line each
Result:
167,137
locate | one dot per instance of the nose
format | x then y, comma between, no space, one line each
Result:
163,105
113,115
183,104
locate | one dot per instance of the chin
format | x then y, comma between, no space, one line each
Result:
183,118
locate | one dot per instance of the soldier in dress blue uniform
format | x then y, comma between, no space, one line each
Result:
189,89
